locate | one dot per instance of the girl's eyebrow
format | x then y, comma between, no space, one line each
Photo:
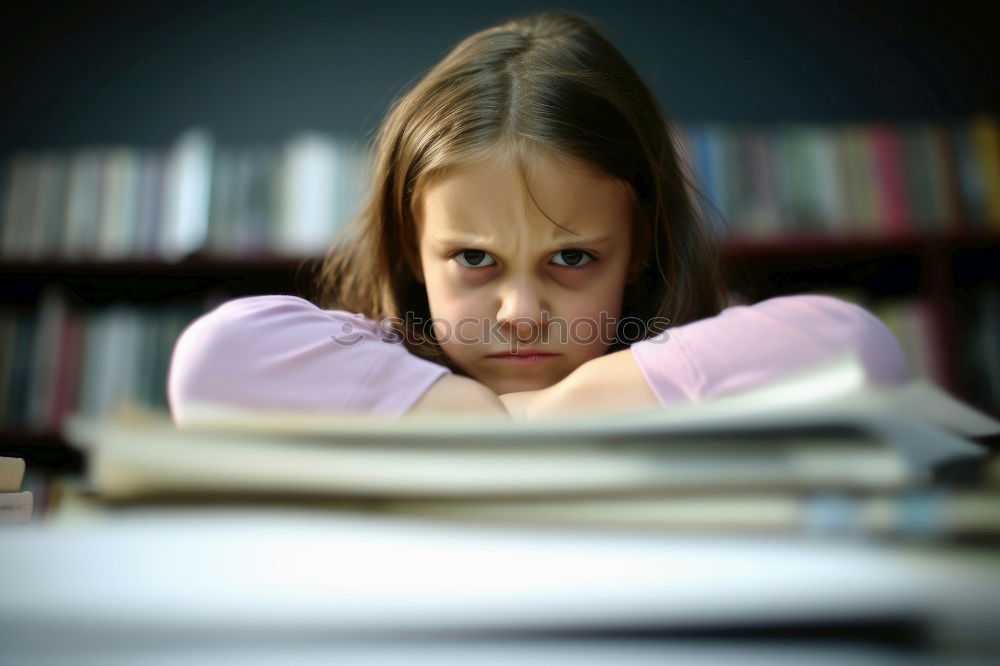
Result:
459,239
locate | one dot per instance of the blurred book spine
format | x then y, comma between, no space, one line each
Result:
56,359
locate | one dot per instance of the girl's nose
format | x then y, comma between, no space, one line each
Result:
522,312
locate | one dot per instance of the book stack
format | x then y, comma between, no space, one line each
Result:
818,452
15,504
811,507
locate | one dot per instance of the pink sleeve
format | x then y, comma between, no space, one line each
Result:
747,346
284,352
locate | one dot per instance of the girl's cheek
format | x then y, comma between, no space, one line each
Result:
465,330
590,304
459,305
594,319
446,296
441,330
458,319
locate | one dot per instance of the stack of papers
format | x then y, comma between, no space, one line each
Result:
860,438
760,510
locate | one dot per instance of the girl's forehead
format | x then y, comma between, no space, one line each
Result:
533,172
479,192
528,160
486,195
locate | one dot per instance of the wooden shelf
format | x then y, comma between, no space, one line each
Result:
214,265
153,281
884,264
856,245
45,449
193,265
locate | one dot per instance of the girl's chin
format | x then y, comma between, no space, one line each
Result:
514,384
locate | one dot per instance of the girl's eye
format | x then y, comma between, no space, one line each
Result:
572,259
575,258
474,257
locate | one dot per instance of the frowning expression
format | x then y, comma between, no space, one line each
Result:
519,261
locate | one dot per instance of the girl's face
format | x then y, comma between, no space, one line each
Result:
503,278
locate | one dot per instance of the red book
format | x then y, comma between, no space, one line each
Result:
930,339
894,215
67,368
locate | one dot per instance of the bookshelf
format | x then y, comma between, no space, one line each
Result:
159,233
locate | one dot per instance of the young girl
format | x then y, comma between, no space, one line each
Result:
529,246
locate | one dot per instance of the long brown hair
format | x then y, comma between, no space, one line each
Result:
548,82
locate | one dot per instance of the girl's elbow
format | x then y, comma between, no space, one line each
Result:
185,375
204,368
874,344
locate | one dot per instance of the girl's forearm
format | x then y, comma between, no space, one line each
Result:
453,394
517,404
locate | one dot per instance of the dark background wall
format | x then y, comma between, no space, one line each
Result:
80,73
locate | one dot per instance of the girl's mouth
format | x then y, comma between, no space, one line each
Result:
524,358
